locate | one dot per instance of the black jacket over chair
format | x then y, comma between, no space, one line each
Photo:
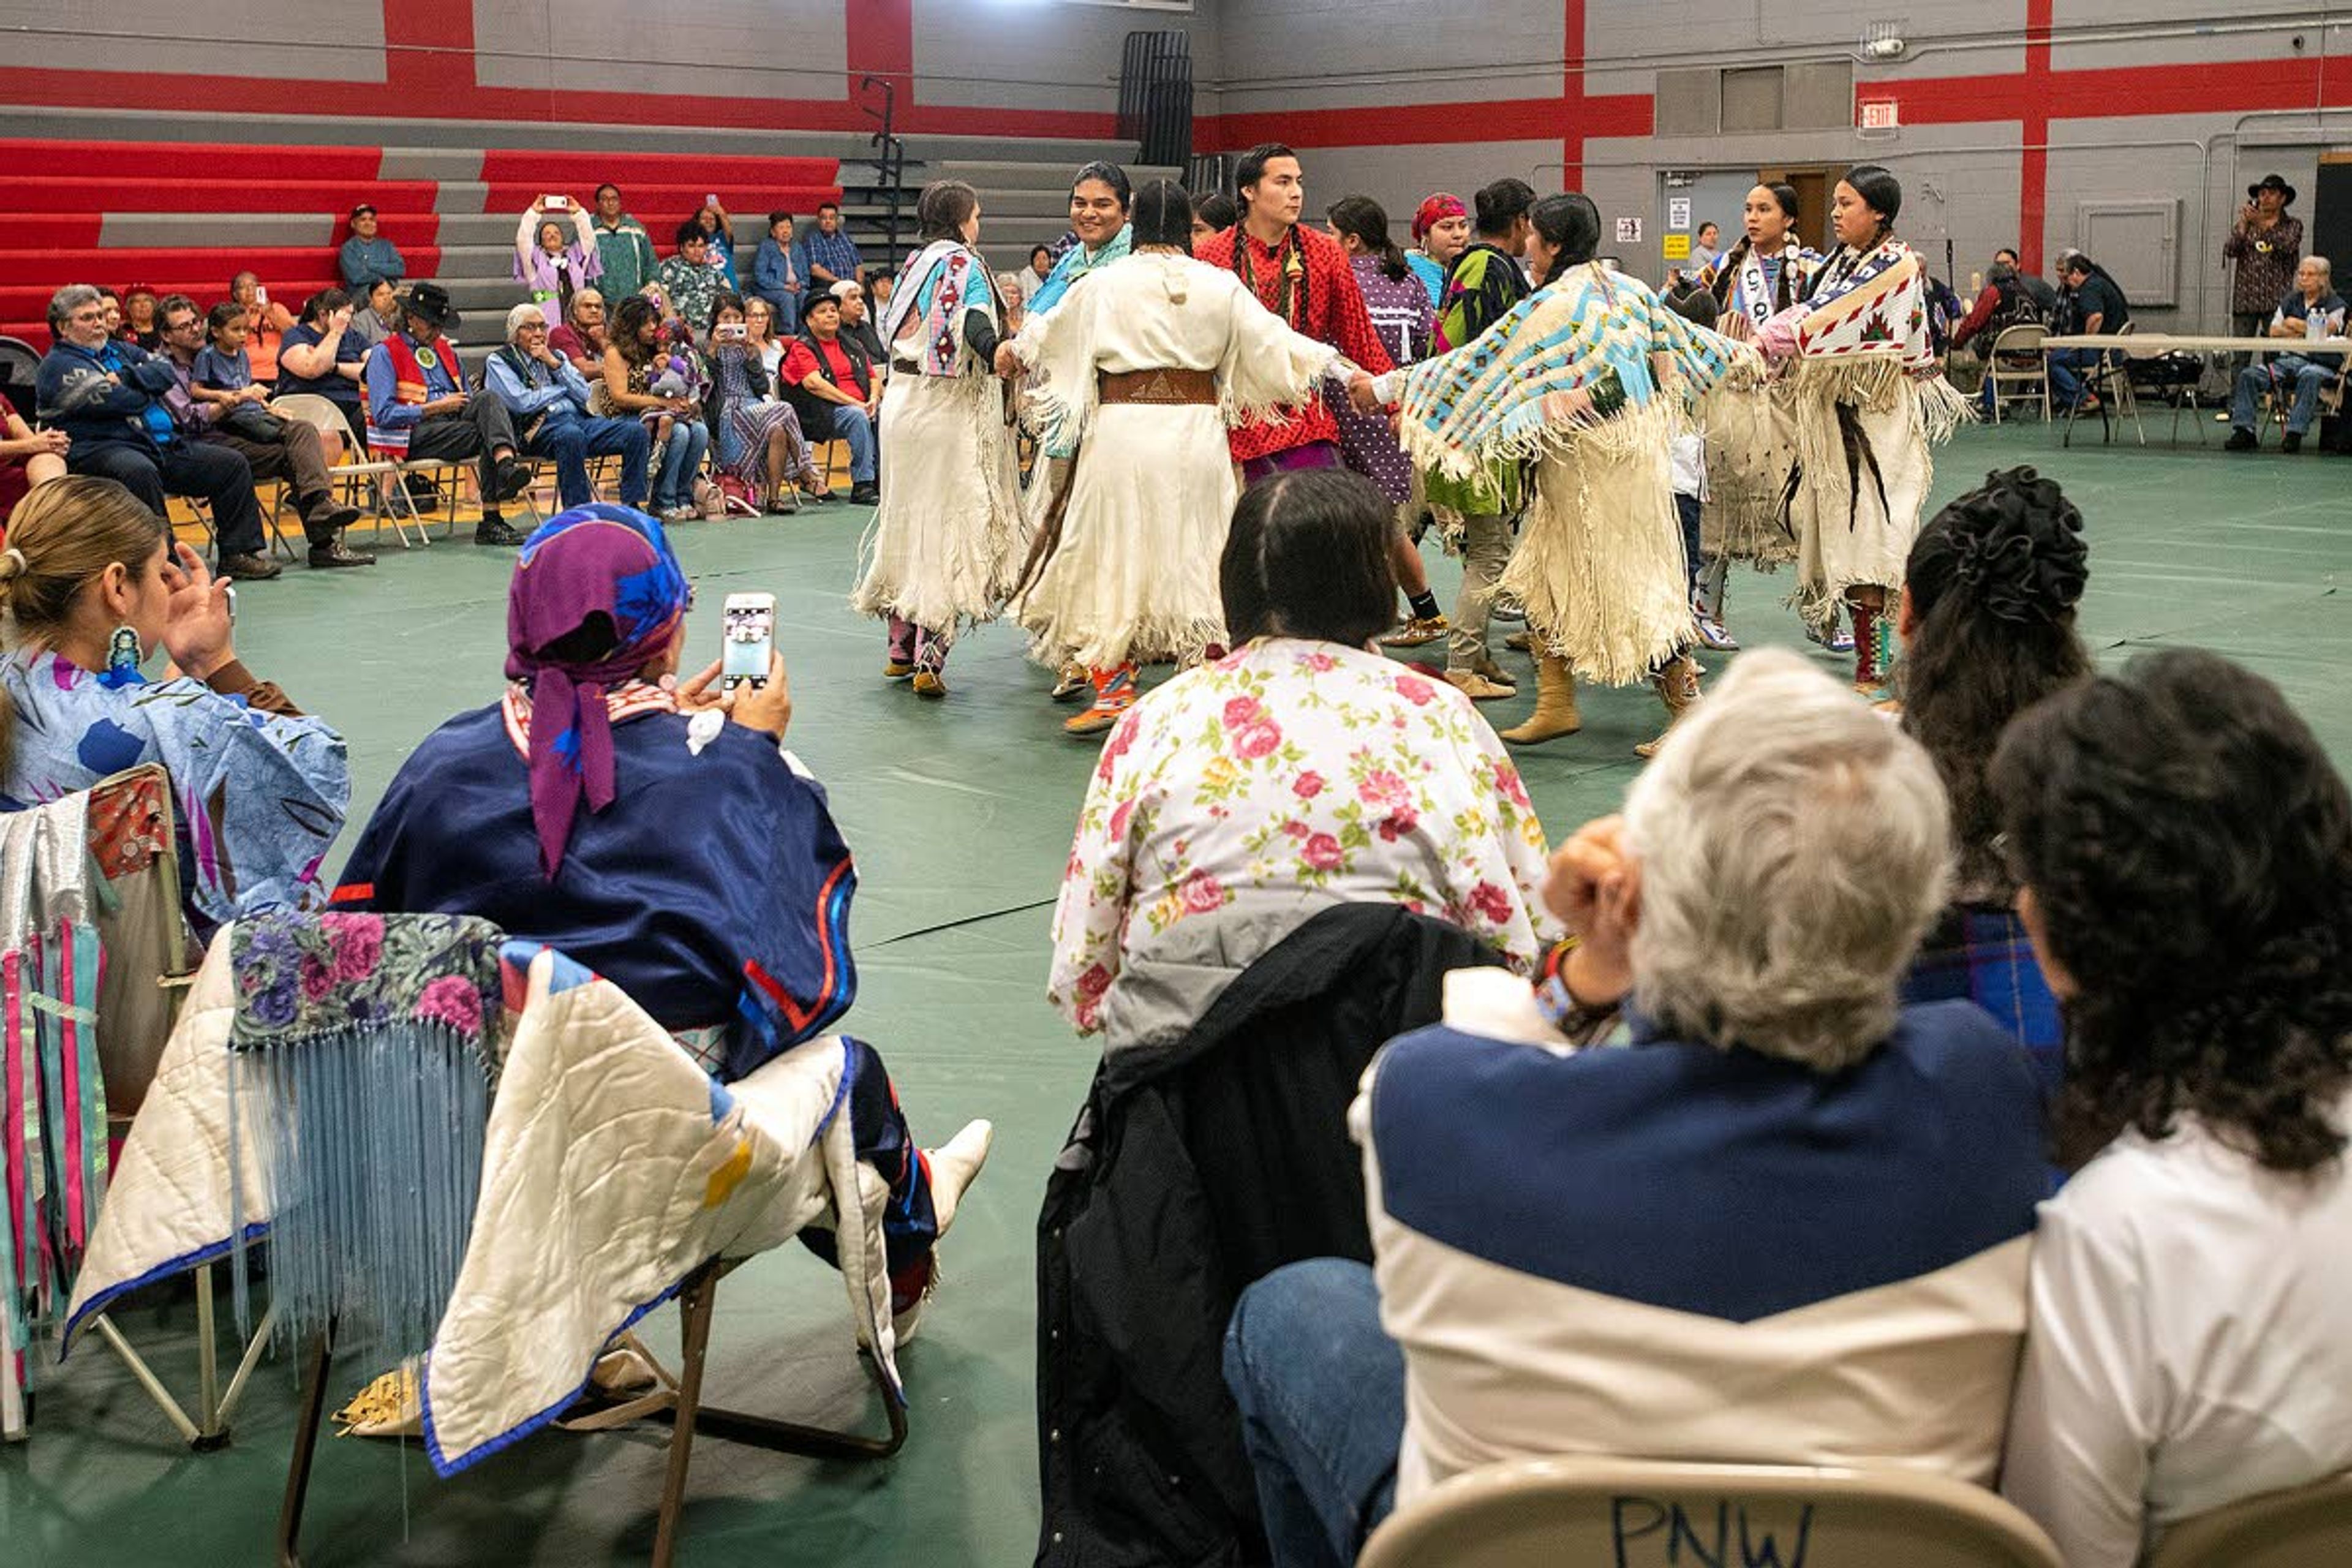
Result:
1197,1167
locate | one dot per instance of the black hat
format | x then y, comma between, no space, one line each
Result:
431,301
363,210
2272,183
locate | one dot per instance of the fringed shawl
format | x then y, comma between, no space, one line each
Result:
373,1042
1868,306
944,282
1496,398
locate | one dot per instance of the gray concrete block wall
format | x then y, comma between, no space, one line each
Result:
1040,57
734,49
328,40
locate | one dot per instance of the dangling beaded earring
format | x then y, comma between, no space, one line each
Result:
123,656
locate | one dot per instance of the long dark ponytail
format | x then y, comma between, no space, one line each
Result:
1570,224
1369,223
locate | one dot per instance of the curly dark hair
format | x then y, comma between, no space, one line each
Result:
2188,848
1992,581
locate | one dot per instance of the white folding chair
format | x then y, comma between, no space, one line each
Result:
2024,368
1576,1512
336,437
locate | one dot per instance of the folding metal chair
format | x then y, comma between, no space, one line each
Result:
2020,344
2109,379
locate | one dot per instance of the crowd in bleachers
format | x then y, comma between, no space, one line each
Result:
176,397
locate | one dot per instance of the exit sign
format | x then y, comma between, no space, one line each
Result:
1881,115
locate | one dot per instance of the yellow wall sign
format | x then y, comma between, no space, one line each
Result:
1677,246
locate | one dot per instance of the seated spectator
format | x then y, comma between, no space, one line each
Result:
880,282
720,234
760,336
832,385
110,399
323,355
1040,268
780,272
691,279
622,247
113,303
2038,289
757,434
214,402
368,255
2093,306
551,270
548,401
831,254
1298,770
378,316
266,321
1787,1222
2185,849
138,324
580,338
2005,304
736,937
27,457
644,381
418,408
2313,311
857,325
1987,621
94,587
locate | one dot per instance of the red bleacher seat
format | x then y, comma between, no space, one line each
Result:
155,161
148,194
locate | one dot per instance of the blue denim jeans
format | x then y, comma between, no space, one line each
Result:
570,443
681,464
2066,367
1321,1391
842,423
2287,371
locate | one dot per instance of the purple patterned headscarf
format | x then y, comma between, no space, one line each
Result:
592,561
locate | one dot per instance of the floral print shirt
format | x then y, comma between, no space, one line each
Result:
1296,773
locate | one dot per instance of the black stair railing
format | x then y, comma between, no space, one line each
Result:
890,161
1155,97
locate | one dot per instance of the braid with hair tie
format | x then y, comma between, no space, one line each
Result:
1727,272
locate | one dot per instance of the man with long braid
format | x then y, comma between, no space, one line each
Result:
1304,277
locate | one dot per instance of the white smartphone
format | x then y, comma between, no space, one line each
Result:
555,203
749,625
732,331
260,294
711,200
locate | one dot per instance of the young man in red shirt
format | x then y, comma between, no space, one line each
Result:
1303,276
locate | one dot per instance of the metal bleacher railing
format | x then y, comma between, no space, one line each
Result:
1155,97
890,161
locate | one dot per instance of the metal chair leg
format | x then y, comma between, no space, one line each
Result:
306,1446
694,1311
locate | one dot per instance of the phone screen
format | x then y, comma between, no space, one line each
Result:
749,627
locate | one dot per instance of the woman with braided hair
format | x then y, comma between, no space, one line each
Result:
1136,379
1987,620
1749,458
2183,847
1591,376
1869,402
948,539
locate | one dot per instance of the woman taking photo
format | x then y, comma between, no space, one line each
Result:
947,542
2184,851
94,587
266,321
637,369
1868,403
554,270
759,438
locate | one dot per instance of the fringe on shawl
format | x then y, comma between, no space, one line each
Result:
1176,639
1600,568
1876,384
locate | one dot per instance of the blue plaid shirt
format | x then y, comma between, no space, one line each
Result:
836,252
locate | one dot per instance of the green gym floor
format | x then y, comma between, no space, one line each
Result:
959,814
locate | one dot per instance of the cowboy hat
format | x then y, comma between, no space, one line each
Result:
2272,183
431,301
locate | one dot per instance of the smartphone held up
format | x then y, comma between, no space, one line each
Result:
748,626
